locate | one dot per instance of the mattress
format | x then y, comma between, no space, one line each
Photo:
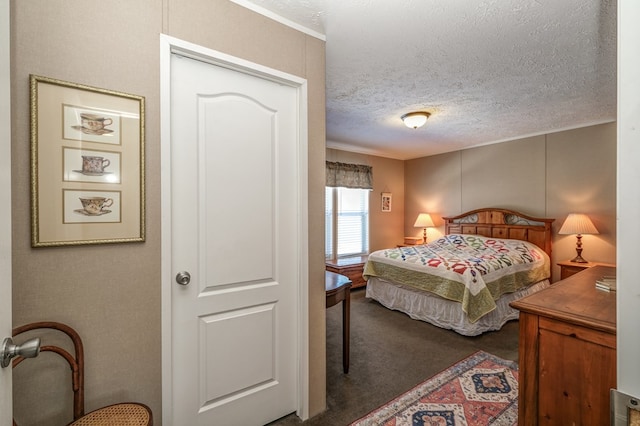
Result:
429,307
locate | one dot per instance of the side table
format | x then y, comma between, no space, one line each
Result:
338,289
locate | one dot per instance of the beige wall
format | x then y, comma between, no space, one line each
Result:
549,176
432,185
111,293
484,171
385,228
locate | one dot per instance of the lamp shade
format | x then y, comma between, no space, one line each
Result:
416,119
423,221
577,223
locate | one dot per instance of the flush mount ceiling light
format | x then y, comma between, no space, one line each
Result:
415,119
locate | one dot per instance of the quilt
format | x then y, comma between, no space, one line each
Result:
470,269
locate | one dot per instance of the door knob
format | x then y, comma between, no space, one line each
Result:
183,278
29,349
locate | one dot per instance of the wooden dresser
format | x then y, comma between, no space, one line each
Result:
351,267
567,352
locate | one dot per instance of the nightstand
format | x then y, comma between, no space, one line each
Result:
568,268
351,267
411,241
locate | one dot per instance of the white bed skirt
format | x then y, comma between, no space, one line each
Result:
445,313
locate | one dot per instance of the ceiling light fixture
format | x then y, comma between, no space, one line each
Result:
415,119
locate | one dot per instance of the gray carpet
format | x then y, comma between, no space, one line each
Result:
390,354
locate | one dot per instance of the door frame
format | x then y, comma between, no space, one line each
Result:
6,400
168,46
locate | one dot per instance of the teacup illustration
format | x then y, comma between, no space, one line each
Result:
94,164
94,122
94,205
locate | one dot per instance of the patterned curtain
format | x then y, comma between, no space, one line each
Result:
349,175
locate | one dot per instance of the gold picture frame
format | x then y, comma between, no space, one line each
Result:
87,164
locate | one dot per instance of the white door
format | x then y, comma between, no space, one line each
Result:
5,213
235,229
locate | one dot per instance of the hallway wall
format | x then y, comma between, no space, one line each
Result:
111,293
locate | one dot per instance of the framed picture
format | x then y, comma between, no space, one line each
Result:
386,201
87,165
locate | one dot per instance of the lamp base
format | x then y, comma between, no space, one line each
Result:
579,259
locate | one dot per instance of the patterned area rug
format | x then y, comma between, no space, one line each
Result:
479,390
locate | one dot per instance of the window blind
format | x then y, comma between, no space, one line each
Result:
346,222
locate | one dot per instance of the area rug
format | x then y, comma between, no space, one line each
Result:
479,390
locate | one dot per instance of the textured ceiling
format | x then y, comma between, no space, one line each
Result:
487,70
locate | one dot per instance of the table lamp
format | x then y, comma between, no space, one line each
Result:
578,224
424,221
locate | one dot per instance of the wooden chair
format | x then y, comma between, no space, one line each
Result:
129,413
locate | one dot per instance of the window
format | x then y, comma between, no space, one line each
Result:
346,222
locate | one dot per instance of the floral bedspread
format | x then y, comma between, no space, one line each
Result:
471,269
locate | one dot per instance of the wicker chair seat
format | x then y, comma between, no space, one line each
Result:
124,414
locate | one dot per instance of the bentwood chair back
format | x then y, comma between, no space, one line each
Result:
129,413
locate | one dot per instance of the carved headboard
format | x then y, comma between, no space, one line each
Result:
502,223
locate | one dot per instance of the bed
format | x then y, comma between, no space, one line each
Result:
465,280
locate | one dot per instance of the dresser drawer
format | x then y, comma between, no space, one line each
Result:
578,332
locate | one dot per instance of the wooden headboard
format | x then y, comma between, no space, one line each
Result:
502,223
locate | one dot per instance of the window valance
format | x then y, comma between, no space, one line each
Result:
349,175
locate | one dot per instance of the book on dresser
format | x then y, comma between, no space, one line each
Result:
606,283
